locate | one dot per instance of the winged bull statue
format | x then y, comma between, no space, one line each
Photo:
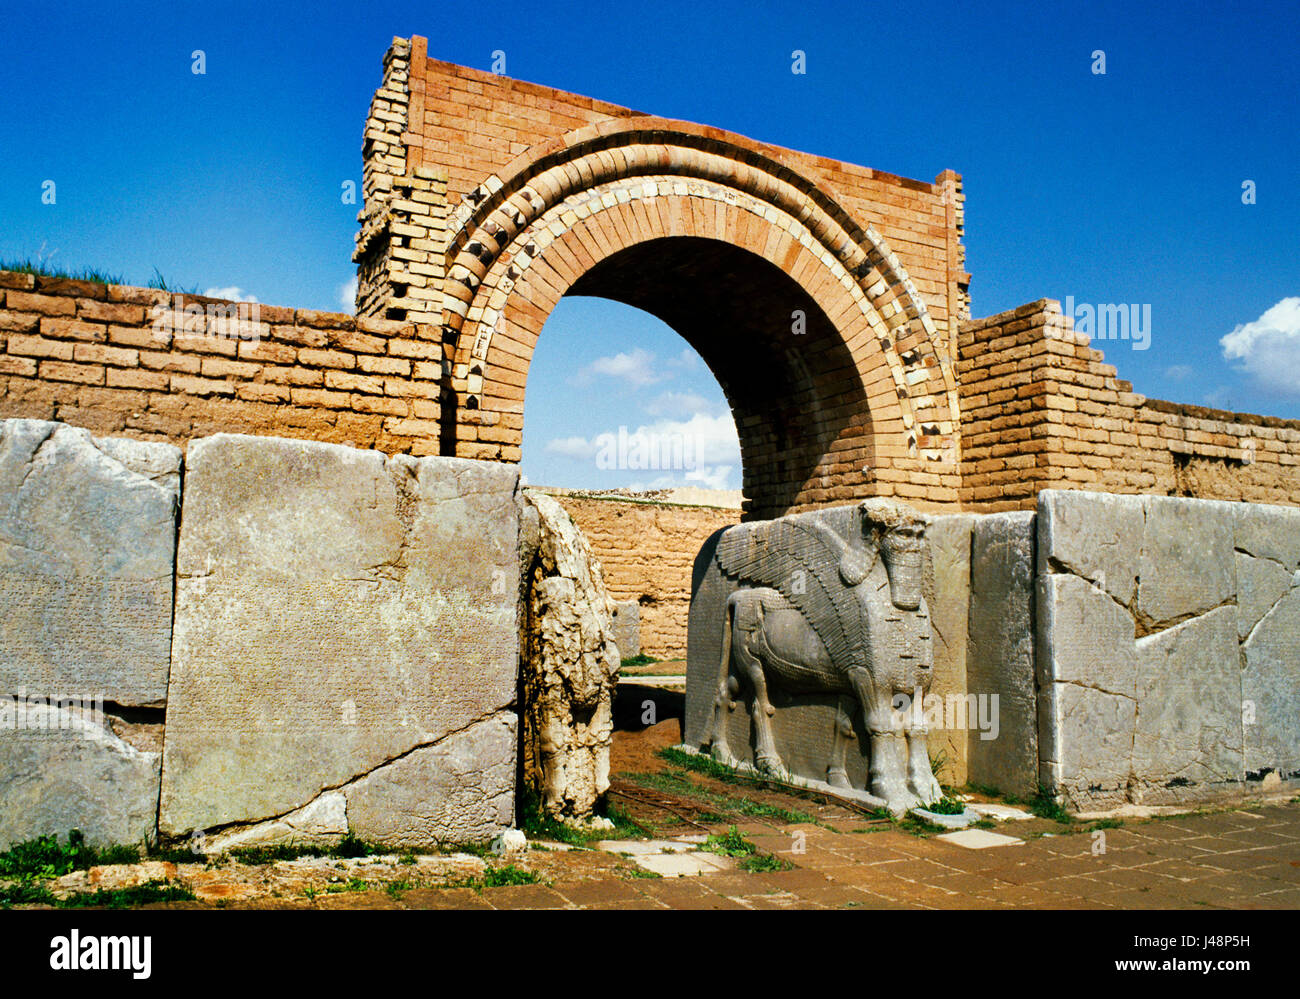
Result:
817,613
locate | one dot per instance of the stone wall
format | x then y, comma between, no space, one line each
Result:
646,551
344,652
1127,649
1042,410
158,366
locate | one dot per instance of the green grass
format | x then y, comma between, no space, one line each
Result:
730,844
764,863
733,843
641,872
40,267
946,806
43,268
1043,804
36,893
497,877
46,857
641,660
537,823
722,807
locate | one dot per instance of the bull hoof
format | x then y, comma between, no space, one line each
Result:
771,767
838,778
721,754
927,789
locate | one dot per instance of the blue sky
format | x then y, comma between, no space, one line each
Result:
1117,188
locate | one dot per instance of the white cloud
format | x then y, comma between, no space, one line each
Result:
1269,347
1179,372
231,294
572,447
702,450
678,404
637,367
348,294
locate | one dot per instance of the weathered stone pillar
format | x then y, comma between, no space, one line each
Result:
569,665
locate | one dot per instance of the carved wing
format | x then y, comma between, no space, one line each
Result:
804,562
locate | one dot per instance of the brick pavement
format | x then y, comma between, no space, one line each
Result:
1232,859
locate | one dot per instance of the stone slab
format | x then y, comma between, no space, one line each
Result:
947,591
979,839
1186,564
1270,690
64,769
1096,536
338,612
1087,672
627,628
1189,719
87,546
1000,653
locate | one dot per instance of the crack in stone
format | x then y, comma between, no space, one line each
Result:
239,824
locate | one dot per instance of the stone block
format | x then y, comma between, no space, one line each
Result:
1186,558
627,628
1000,653
1087,677
341,613
87,546
1095,536
1189,720
1270,690
947,590
63,768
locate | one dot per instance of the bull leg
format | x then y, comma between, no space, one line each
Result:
888,778
837,774
766,757
723,704
920,775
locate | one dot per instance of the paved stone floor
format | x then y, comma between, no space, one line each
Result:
1230,859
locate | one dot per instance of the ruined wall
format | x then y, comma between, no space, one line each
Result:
646,551
343,652
133,362
1042,410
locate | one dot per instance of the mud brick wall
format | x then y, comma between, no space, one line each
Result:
646,551
1042,410
89,355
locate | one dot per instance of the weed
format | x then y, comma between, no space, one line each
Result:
496,877
351,885
730,844
946,806
641,660
641,872
763,863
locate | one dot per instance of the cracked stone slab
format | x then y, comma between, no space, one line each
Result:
461,790
1097,536
683,865
1186,565
338,612
63,769
1000,651
1088,682
87,545
1189,730
1270,689
1261,583
1268,532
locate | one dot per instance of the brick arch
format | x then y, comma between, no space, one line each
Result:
560,219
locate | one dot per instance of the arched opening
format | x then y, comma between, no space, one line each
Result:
775,354
617,400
